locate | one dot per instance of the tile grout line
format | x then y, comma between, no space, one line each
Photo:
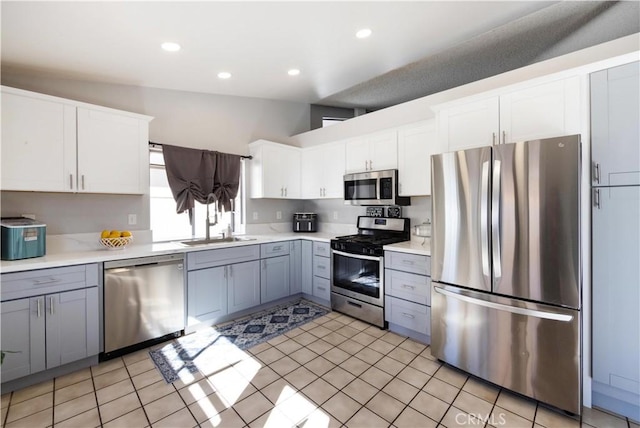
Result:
137,395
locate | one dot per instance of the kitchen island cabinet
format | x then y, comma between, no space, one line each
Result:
50,319
52,144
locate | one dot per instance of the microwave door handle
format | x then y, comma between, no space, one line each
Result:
378,185
355,256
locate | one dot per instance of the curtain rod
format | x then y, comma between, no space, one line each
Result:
151,143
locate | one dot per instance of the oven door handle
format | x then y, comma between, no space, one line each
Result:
356,256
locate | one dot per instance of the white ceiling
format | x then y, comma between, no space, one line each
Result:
119,42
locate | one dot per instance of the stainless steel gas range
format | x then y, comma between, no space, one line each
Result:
357,267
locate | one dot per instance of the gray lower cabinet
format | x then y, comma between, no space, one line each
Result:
206,295
50,317
306,268
243,286
322,271
274,278
295,266
408,294
616,296
221,282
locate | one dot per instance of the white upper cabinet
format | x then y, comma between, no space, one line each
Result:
50,144
541,111
416,143
469,125
275,170
323,170
112,152
38,144
372,152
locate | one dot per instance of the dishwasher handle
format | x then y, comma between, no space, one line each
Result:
147,261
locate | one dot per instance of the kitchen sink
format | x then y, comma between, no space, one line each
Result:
216,240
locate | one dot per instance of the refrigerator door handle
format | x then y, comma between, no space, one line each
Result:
502,307
484,219
495,220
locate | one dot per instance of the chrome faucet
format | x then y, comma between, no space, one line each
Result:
211,197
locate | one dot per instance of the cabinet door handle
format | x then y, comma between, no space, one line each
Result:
406,315
49,280
82,181
225,272
321,191
282,191
493,138
285,192
504,137
71,181
38,309
596,198
51,305
264,264
596,172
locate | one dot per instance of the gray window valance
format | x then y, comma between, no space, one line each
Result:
193,174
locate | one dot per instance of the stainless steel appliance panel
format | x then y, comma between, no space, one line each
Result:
143,300
358,309
358,276
460,236
535,220
533,349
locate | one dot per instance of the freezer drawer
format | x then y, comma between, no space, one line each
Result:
529,348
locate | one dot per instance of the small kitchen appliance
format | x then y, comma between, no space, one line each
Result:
357,267
305,222
22,238
373,188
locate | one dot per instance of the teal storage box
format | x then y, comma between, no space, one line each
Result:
22,238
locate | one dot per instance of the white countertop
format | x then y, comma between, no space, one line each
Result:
77,257
421,246
58,256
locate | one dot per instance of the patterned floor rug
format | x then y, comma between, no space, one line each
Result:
208,349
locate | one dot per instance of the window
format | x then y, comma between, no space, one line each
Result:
167,225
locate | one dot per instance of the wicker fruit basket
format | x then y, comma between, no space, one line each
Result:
116,243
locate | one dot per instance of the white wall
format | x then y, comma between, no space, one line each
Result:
214,122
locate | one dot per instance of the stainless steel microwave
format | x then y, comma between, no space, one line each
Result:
373,188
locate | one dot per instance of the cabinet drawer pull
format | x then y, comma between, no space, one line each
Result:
408,262
321,266
322,288
50,280
278,248
51,305
406,315
407,286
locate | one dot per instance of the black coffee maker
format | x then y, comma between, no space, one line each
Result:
305,222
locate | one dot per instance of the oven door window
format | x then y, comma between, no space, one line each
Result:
360,189
357,275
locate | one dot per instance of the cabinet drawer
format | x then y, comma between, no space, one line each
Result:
43,281
409,315
408,286
274,249
408,262
222,256
322,267
321,288
321,249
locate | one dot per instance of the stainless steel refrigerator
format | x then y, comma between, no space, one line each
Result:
505,266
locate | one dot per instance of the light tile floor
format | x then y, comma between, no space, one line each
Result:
332,372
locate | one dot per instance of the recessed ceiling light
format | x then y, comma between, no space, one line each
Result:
293,72
170,46
364,33
224,75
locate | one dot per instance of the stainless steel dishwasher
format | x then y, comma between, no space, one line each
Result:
143,300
